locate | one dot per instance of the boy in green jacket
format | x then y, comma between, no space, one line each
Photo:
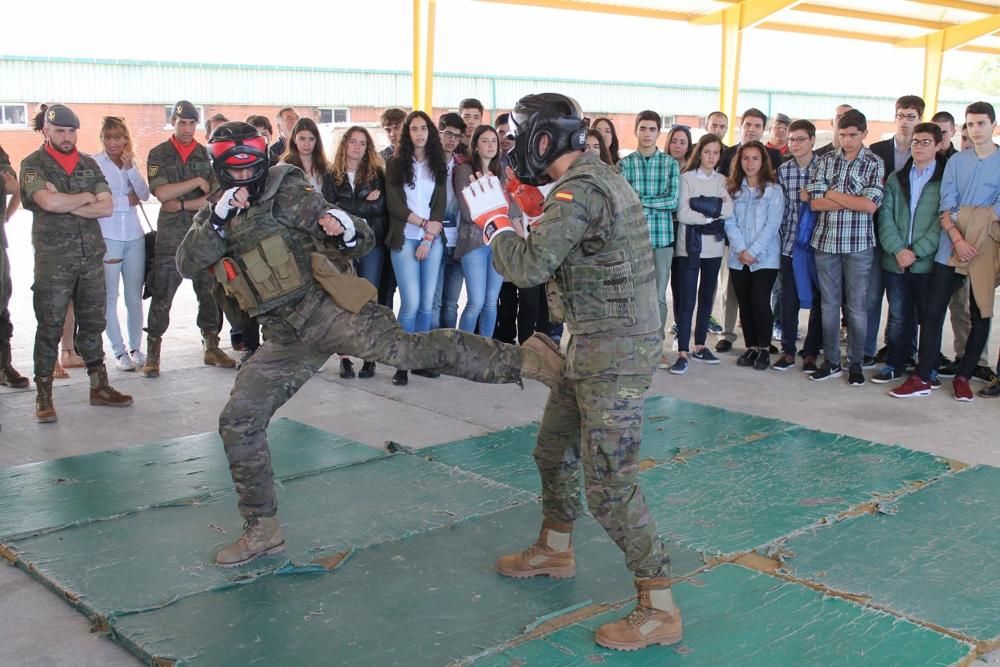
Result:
909,233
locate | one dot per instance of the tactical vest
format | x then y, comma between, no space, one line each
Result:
613,291
268,263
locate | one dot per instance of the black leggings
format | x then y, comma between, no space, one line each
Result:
753,293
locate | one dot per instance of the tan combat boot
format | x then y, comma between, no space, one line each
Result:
542,360
151,368
655,619
262,536
8,374
102,393
550,556
45,410
213,355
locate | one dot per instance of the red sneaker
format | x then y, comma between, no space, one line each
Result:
912,388
963,392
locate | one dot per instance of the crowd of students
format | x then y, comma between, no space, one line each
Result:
776,227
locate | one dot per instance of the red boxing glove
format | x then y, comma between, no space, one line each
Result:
527,197
488,206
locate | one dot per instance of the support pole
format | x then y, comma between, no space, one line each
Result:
428,101
933,60
418,87
729,82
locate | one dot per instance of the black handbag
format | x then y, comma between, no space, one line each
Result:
150,238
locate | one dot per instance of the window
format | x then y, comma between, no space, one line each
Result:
168,110
668,122
335,115
13,115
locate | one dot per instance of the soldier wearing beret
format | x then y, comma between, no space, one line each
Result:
67,193
8,186
180,176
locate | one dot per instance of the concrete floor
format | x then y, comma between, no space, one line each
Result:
42,630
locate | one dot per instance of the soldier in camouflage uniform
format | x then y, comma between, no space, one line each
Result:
591,237
67,193
8,185
285,254
180,176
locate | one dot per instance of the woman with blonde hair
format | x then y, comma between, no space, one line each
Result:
125,255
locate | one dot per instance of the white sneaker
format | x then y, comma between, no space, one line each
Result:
124,363
138,358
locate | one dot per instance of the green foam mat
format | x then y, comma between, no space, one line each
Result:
426,600
77,489
737,498
671,427
153,557
936,559
735,616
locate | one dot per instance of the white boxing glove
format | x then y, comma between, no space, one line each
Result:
488,206
224,207
345,222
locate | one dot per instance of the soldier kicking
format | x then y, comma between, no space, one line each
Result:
283,253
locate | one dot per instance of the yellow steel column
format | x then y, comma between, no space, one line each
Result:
729,82
428,101
933,60
418,87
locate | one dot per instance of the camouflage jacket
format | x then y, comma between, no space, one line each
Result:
165,166
296,207
62,234
4,168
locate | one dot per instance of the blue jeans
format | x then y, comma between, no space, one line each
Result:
908,294
690,291
790,315
128,260
370,266
844,275
873,305
482,286
449,288
417,282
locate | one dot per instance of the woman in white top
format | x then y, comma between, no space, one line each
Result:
305,151
125,255
699,247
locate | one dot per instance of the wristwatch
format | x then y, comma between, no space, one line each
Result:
954,213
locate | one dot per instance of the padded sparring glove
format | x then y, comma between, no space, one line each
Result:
488,206
223,208
527,197
710,207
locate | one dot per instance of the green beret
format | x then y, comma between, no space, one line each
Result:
61,116
186,110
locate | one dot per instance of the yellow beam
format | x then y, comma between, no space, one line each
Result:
992,50
871,16
933,59
418,88
960,4
429,58
600,8
827,32
729,82
958,35
750,12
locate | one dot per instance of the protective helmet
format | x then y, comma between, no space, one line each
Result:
552,115
238,145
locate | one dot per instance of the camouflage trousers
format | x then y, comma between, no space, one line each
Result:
279,369
6,326
59,280
597,422
164,280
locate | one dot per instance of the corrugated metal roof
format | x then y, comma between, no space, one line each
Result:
151,82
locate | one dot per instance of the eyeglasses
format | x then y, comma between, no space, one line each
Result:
906,116
797,140
448,134
922,142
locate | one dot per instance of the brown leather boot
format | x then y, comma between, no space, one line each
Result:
542,360
45,410
655,619
8,374
102,393
151,369
261,536
551,556
213,355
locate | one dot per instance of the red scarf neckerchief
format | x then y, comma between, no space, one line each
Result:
67,161
182,150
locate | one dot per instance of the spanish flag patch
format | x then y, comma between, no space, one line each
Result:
563,195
